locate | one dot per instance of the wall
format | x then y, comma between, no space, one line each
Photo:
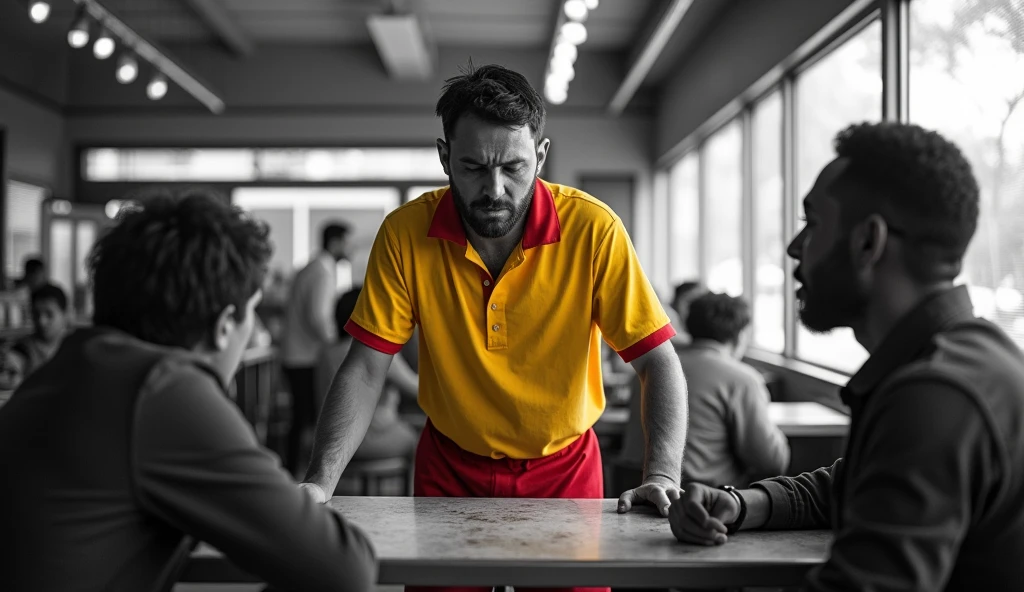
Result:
35,141
747,41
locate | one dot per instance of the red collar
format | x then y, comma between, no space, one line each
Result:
542,227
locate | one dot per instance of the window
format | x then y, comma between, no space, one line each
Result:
23,234
844,87
967,59
418,190
261,164
168,164
723,186
684,210
769,244
296,216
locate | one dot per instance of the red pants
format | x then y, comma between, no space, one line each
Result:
445,470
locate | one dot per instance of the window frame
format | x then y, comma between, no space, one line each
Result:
894,18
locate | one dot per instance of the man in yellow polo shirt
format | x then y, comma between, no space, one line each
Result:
512,281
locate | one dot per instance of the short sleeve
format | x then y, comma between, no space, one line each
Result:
626,308
383,317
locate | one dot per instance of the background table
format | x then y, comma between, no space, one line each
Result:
809,419
530,542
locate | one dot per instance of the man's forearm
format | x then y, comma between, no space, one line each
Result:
343,422
664,412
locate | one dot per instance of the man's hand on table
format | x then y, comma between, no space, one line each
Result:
700,516
314,491
657,491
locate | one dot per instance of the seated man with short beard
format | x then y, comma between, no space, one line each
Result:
928,495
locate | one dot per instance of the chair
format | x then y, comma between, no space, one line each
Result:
372,473
176,565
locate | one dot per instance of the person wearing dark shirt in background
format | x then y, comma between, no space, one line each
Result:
125,443
928,495
731,439
49,326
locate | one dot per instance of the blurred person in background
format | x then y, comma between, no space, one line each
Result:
50,323
388,436
308,329
682,296
33,275
732,440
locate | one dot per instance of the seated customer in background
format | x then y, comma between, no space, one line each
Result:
682,296
388,436
125,444
731,439
928,495
49,326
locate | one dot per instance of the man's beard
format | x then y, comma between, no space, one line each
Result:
475,215
836,299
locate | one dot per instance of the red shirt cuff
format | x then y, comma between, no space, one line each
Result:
372,340
647,343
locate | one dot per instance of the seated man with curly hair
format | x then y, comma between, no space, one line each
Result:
125,447
928,495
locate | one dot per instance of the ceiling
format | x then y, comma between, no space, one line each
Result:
455,23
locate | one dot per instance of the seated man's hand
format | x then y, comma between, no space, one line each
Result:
314,491
660,492
700,516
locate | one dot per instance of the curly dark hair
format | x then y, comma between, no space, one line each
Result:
170,267
923,182
718,316
492,93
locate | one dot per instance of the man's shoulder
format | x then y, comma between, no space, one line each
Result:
412,219
577,207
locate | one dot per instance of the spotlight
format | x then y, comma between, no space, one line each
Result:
104,46
78,34
566,52
591,4
39,11
576,10
157,88
127,69
556,96
574,33
563,70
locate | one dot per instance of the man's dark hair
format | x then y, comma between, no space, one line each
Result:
332,231
685,288
343,309
492,93
34,266
718,316
170,267
49,292
924,186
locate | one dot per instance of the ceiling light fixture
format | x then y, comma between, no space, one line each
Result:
157,87
104,46
136,50
39,11
127,69
78,34
576,10
574,33
570,33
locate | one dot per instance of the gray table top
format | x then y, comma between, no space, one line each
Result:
550,542
807,419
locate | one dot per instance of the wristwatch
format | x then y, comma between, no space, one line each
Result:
735,526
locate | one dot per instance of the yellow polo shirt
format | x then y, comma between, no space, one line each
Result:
510,366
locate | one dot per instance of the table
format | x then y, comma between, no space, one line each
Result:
808,419
804,419
552,542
